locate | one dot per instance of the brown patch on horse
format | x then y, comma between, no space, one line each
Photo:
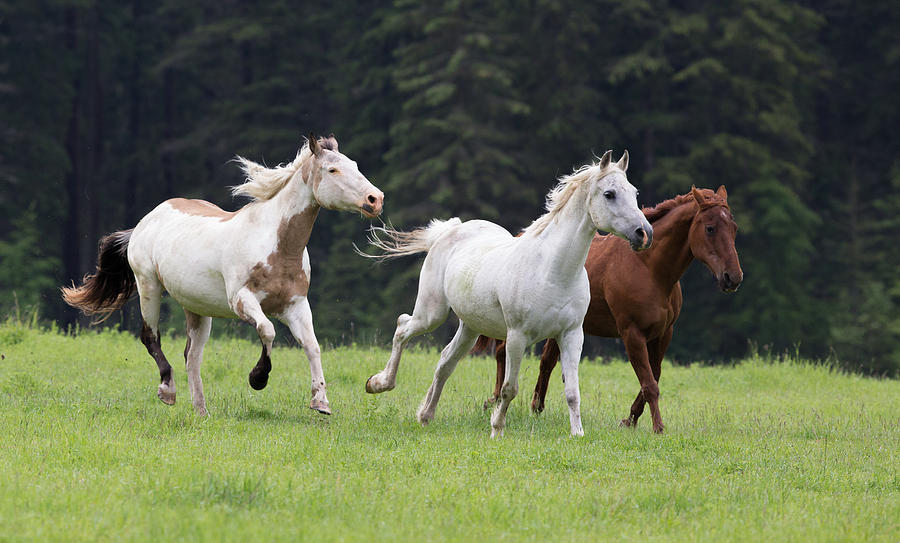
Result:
281,277
201,208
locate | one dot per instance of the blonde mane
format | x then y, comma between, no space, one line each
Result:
264,183
560,195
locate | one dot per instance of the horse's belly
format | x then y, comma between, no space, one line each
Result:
203,297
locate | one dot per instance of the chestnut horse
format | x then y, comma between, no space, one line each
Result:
637,296
248,264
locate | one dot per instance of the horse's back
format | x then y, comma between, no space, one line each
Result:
179,243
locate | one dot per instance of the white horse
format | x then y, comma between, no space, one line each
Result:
523,289
248,264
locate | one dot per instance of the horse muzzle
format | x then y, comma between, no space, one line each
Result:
729,282
372,205
642,238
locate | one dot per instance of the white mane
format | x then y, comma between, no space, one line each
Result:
560,195
264,183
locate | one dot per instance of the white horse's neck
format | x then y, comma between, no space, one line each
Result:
297,195
565,241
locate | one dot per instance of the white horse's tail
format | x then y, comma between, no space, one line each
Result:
398,243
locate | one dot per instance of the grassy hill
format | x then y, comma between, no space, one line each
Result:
779,451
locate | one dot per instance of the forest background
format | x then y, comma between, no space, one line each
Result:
472,109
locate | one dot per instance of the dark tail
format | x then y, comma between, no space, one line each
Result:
107,290
484,345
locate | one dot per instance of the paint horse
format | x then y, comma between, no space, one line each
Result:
637,296
250,264
523,289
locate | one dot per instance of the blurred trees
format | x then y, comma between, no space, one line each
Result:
472,109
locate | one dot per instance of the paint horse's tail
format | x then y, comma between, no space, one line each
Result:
107,290
398,243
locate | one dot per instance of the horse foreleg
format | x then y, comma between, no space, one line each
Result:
299,320
461,344
500,356
198,328
246,306
570,344
636,347
150,292
515,349
549,358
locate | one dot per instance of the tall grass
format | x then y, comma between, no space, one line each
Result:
764,450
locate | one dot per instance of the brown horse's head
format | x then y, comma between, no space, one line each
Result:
712,237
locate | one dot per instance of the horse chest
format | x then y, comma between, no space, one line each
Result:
277,284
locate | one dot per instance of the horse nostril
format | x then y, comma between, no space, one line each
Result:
372,199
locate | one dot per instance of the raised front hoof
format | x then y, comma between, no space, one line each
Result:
320,406
166,394
258,380
374,386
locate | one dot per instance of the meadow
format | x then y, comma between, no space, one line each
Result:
777,450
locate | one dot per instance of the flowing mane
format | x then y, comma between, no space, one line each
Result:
560,195
264,183
660,210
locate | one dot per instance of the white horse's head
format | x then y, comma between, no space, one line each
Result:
612,202
337,182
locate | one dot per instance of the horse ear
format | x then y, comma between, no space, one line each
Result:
605,159
333,141
314,144
697,194
623,162
722,192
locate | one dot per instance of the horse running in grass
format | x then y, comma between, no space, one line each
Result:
637,296
523,289
250,264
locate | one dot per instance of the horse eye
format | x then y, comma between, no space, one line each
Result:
710,229
610,194
332,170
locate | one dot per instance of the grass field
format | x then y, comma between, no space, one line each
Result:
764,451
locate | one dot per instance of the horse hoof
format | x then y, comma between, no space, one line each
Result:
537,409
658,429
373,388
627,423
165,395
258,381
496,432
320,406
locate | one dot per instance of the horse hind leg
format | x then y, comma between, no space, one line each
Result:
457,348
431,310
198,328
515,349
150,292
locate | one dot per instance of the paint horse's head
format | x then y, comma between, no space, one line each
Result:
337,182
712,236
612,201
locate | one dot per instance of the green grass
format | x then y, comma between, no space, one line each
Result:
778,451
